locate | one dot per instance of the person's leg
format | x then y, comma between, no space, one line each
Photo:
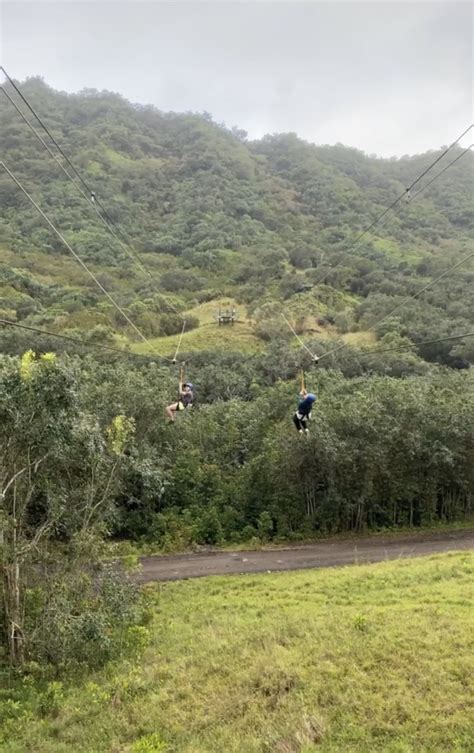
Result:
297,422
170,411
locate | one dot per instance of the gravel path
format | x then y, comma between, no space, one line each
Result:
326,553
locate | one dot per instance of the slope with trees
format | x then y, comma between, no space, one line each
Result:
214,215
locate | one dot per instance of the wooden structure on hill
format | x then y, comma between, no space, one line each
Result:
226,316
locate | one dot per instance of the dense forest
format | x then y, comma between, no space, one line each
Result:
270,225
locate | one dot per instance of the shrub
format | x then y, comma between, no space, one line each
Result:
149,744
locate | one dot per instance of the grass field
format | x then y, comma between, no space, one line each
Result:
366,659
240,337
209,336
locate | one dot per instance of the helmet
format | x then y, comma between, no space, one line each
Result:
188,384
310,397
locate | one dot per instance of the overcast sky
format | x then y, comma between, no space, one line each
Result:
388,78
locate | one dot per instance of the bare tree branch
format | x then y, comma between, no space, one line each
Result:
35,464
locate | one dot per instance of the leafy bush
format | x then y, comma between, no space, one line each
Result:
149,744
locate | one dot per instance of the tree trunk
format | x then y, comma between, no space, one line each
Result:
13,612
12,592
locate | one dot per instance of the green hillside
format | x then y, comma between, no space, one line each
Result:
215,216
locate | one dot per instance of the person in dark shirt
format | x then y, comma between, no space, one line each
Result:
185,400
303,414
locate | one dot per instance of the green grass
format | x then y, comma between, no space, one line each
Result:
366,659
63,270
394,250
209,336
359,339
240,338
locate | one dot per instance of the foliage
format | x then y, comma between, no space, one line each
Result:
58,485
359,468
119,433
382,451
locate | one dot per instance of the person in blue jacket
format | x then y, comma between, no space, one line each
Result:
303,413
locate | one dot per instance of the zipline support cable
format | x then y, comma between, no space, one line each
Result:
313,355
75,340
179,341
91,196
403,196
79,260
406,300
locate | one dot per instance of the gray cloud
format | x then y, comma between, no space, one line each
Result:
389,78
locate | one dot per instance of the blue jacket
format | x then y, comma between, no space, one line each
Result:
306,405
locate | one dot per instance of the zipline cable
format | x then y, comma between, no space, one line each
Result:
423,188
403,195
75,340
58,147
414,345
313,355
43,142
101,346
417,193
91,196
448,149
79,260
405,300
179,342
427,185
129,251
384,214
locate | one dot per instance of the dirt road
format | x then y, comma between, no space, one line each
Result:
328,553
